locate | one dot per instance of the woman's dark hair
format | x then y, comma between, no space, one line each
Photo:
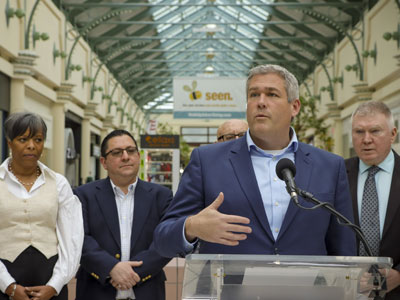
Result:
114,133
18,123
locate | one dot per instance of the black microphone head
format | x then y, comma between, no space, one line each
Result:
285,163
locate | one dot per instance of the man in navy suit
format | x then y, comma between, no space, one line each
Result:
231,198
120,214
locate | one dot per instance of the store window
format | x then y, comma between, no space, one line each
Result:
196,136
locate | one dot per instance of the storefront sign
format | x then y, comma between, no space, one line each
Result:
150,141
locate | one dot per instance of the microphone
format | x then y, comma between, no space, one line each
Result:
285,169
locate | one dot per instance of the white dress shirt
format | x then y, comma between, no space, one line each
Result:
125,207
69,227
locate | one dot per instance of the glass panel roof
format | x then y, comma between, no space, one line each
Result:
145,44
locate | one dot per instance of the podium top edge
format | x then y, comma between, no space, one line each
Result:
304,259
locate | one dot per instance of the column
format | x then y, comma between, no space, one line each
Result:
57,156
58,159
23,69
103,134
363,91
334,115
85,149
17,95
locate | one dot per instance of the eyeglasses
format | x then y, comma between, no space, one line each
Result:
117,152
231,136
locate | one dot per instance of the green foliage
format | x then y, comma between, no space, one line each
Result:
165,128
306,121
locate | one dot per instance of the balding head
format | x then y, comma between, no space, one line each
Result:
231,129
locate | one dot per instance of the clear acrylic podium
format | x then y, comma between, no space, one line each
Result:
282,277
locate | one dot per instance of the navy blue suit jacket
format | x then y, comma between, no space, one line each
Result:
102,243
227,167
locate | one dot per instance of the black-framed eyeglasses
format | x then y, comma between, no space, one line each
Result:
230,136
117,152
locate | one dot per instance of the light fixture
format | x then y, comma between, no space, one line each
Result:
210,53
209,70
210,29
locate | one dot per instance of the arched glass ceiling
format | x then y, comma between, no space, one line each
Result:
147,43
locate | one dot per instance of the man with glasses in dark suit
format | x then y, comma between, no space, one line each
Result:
120,214
231,129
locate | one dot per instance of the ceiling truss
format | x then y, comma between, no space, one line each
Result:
145,44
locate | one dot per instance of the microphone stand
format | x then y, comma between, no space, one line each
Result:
342,220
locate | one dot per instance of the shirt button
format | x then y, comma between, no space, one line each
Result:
275,179
276,229
276,203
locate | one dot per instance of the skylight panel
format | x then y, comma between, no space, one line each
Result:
168,105
163,11
257,11
258,27
231,11
162,27
190,11
245,18
245,32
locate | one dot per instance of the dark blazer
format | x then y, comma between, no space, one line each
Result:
389,245
102,246
227,167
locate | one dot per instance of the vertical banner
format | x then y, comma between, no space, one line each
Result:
209,98
152,127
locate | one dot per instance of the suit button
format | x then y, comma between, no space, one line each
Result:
117,256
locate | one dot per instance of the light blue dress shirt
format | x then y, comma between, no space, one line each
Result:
272,189
383,180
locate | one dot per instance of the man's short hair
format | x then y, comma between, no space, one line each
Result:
114,133
373,107
291,83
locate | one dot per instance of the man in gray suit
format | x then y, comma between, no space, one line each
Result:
373,133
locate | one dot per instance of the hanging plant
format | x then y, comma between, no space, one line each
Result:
307,119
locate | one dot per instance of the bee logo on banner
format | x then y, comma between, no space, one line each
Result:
193,94
209,98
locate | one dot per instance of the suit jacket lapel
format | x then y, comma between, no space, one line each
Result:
393,202
243,169
142,206
352,175
106,200
302,178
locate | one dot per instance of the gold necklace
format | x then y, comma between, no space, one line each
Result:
20,181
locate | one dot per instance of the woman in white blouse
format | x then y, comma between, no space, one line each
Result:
41,227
